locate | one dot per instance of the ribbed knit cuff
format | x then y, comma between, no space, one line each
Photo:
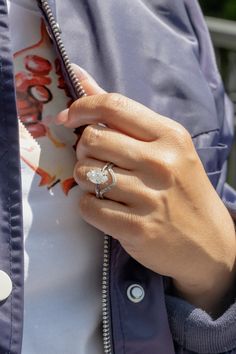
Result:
193,329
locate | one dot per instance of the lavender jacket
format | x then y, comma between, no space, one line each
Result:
157,52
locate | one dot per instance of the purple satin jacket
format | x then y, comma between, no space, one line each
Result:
157,52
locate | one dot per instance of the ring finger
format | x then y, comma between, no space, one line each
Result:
124,190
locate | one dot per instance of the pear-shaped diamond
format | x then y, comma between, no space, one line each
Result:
98,176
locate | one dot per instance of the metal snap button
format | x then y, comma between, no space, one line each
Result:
135,293
5,286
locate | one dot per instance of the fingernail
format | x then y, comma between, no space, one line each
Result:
62,117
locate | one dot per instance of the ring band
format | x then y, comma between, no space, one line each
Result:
106,189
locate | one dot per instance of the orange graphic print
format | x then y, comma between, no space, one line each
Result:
41,93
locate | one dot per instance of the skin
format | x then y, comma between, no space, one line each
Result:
163,210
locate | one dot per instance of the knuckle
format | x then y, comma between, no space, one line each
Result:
73,109
161,165
181,137
151,160
170,167
114,102
90,136
80,173
146,195
147,156
149,198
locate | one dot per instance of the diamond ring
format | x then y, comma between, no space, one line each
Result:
100,176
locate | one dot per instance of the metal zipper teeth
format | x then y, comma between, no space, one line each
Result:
105,297
106,253
80,92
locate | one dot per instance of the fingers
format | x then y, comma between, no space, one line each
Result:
117,112
105,144
106,215
124,191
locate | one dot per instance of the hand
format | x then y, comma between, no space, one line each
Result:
163,210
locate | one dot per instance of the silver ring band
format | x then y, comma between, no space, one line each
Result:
106,189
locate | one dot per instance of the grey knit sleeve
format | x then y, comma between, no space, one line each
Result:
194,331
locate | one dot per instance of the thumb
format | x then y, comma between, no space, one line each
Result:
87,81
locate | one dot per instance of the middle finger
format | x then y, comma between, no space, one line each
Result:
105,144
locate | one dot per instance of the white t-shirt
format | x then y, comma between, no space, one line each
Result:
63,254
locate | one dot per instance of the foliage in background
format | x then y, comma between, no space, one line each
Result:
227,63
219,8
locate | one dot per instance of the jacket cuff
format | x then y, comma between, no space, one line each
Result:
195,330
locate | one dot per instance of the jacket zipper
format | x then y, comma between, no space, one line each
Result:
105,297
56,32
80,92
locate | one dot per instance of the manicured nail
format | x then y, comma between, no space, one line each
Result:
62,117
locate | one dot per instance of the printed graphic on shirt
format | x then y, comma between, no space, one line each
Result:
41,93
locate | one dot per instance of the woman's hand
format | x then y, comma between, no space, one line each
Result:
163,209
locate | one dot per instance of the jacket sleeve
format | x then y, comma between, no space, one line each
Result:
193,330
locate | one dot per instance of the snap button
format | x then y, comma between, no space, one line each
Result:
135,293
5,285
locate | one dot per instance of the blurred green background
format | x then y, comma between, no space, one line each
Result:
219,8
226,56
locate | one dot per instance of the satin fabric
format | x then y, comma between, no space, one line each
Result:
157,52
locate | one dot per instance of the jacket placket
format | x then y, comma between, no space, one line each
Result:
11,234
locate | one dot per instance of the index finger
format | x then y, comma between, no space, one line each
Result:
117,112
